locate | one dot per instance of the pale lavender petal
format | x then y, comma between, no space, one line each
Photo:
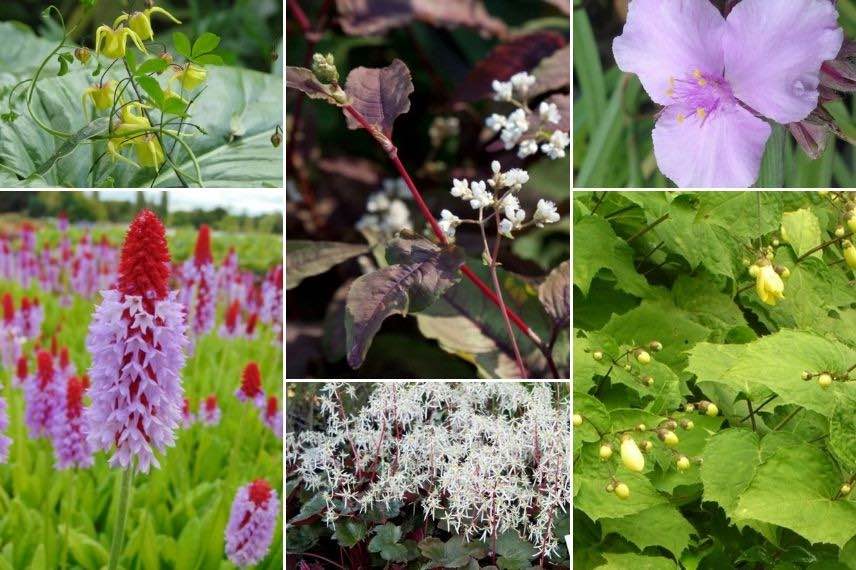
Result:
723,149
666,39
773,53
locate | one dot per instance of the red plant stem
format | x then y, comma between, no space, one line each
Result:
392,151
299,15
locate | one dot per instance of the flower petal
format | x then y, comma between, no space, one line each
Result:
773,53
673,38
721,150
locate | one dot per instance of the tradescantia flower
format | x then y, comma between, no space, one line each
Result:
141,22
717,78
101,95
112,41
252,521
137,340
191,76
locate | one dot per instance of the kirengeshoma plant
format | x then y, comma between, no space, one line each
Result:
146,110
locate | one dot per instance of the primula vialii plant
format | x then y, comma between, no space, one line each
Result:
137,340
723,80
137,118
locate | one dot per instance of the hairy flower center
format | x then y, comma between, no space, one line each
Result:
700,94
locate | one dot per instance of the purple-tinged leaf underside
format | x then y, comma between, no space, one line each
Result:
379,94
555,294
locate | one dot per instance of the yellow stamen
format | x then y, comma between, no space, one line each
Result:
670,92
697,74
681,118
701,113
702,82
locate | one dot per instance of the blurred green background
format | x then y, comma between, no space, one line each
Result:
613,117
250,30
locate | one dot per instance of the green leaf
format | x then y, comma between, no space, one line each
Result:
93,129
842,429
794,488
731,459
350,532
596,247
514,552
635,561
174,106
588,68
209,59
152,88
386,543
181,43
306,258
662,525
802,231
454,553
205,43
154,65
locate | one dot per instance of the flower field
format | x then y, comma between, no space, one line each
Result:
140,410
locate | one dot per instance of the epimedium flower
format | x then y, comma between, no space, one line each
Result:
137,340
101,95
149,151
112,41
717,78
141,21
191,76
252,521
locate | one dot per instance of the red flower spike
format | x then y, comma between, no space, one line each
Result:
74,397
22,368
272,406
8,308
251,380
232,314
202,255
260,492
84,380
211,402
144,266
252,322
63,358
45,368
25,304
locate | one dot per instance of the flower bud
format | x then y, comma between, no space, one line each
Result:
689,407
642,357
631,457
641,427
806,375
622,491
712,410
775,243
849,254
840,231
609,487
851,222
191,76
668,437
825,380
753,270
683,463
648,380
783,271
646,446
655,346
628,367
276,139
82,55
687,424
605,451
669,424
324,68
845,489
578,420
597,355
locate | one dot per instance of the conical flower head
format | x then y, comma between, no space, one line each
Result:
71,448
136,338
8,309
251,385
210,412
202,253
273,417
21,370
5,442
40,395
252,522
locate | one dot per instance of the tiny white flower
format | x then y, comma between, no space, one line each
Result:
518,120
555,148
481,197
515,178
503,90
522,82
505,227
496,122
449,222
495,166
527,148
398,216
549,112
461,189
545,213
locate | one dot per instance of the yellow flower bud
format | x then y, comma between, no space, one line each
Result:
149,151
141,22
631,456
191,76
605,451
111,42
643,357
769,285
683,463
101,95
622,491
825,380
851,222
850,254
712,410
578,420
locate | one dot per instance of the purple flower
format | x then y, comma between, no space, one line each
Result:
187,417
41,397
71,447
5,442
199,293
251,523
136,339
273,417
718,77
209,414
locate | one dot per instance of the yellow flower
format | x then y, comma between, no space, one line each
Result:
115,40
770,287
141,22
149,151
631,456
191,76
101,95
129,129
850,254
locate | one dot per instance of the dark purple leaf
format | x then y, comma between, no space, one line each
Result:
304,80
563,5
379,94
307,258
468,13
366,17
811,134
553,72
520,54
555,294
419,274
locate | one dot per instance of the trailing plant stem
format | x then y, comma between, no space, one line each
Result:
121,516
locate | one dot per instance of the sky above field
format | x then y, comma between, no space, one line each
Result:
244,201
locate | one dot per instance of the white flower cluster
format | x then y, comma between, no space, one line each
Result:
514,128
500,192
485,457
386,211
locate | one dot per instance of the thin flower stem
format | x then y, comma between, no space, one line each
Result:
790,416
648,228
392,152
759,408
820,247
498,290
121,516
752,415
299,15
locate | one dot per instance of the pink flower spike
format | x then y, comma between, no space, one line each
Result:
71,447
250,389
210,412
273,417
137,340
719,77
252,522
41,397
5,441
